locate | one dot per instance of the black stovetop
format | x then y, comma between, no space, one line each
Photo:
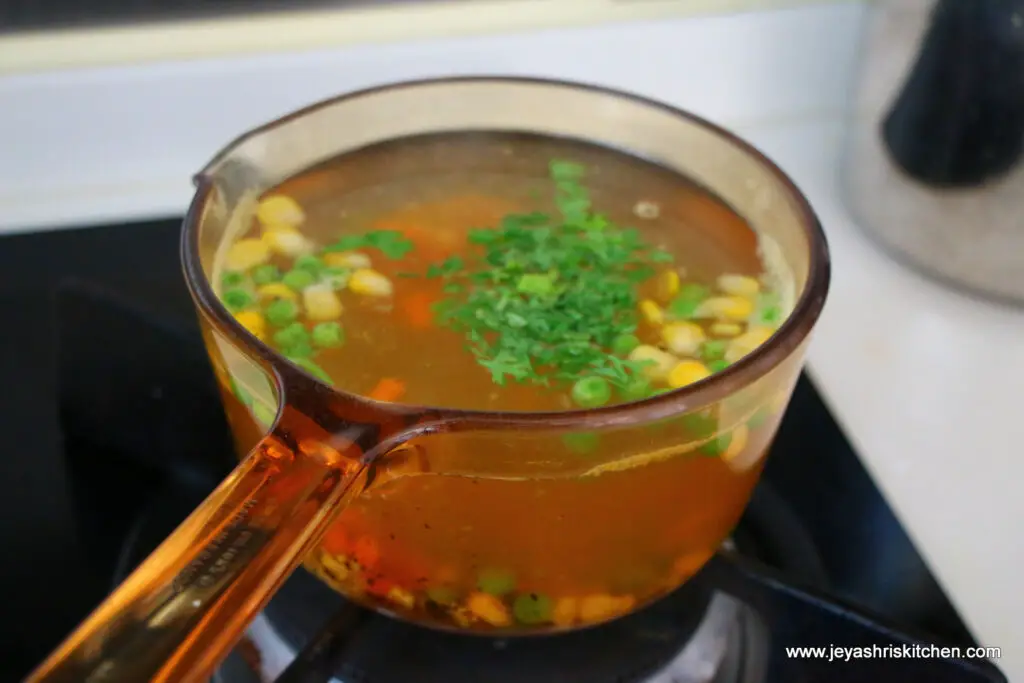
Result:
58,562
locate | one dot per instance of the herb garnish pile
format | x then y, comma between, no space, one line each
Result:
551,297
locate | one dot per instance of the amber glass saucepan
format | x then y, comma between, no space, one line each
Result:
310,450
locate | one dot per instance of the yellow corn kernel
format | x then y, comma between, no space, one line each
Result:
287,242
602,607
279,209
737,443
321,303
253,322
370,283
726,329
747,342
661,362
461,616
683,338
566,611
401,597
687,372
489,608
245,254
739,285
276,290
347,259
652,312
668,285
337,567
734,308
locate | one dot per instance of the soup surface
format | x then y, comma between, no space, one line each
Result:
517,273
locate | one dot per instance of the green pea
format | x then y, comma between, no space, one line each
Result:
496,582
685,304
232,279
591,392
713,349
581,442
237,299
759,417
310,367
263,414
291,335
298,279
335,276
310,263
624,343
532,608
637,390
240,393
717,445
328,335
700,425
281,312
266,274
442,595
301,349
717,365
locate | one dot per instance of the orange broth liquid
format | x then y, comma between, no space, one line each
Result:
513,531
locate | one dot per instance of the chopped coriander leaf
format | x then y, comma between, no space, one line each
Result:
532,283
565,170
291,335
391,243
546,298
232,279
266,274
591,392
298,279
237,299
328,335
281,312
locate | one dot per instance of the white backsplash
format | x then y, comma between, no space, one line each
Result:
121,143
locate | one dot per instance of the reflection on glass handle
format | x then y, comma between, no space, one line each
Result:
180,612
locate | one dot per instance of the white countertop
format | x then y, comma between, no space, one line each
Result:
925,382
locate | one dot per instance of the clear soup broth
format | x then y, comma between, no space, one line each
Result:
517,273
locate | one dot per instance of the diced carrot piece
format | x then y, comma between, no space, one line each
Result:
336,540
367,553
388,389
417,308
379,587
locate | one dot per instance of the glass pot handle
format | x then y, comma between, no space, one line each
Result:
186,605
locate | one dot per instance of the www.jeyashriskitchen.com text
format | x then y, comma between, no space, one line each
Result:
835,653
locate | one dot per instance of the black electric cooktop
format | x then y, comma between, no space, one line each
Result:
68,509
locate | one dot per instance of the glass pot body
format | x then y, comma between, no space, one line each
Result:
389,502
599,534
